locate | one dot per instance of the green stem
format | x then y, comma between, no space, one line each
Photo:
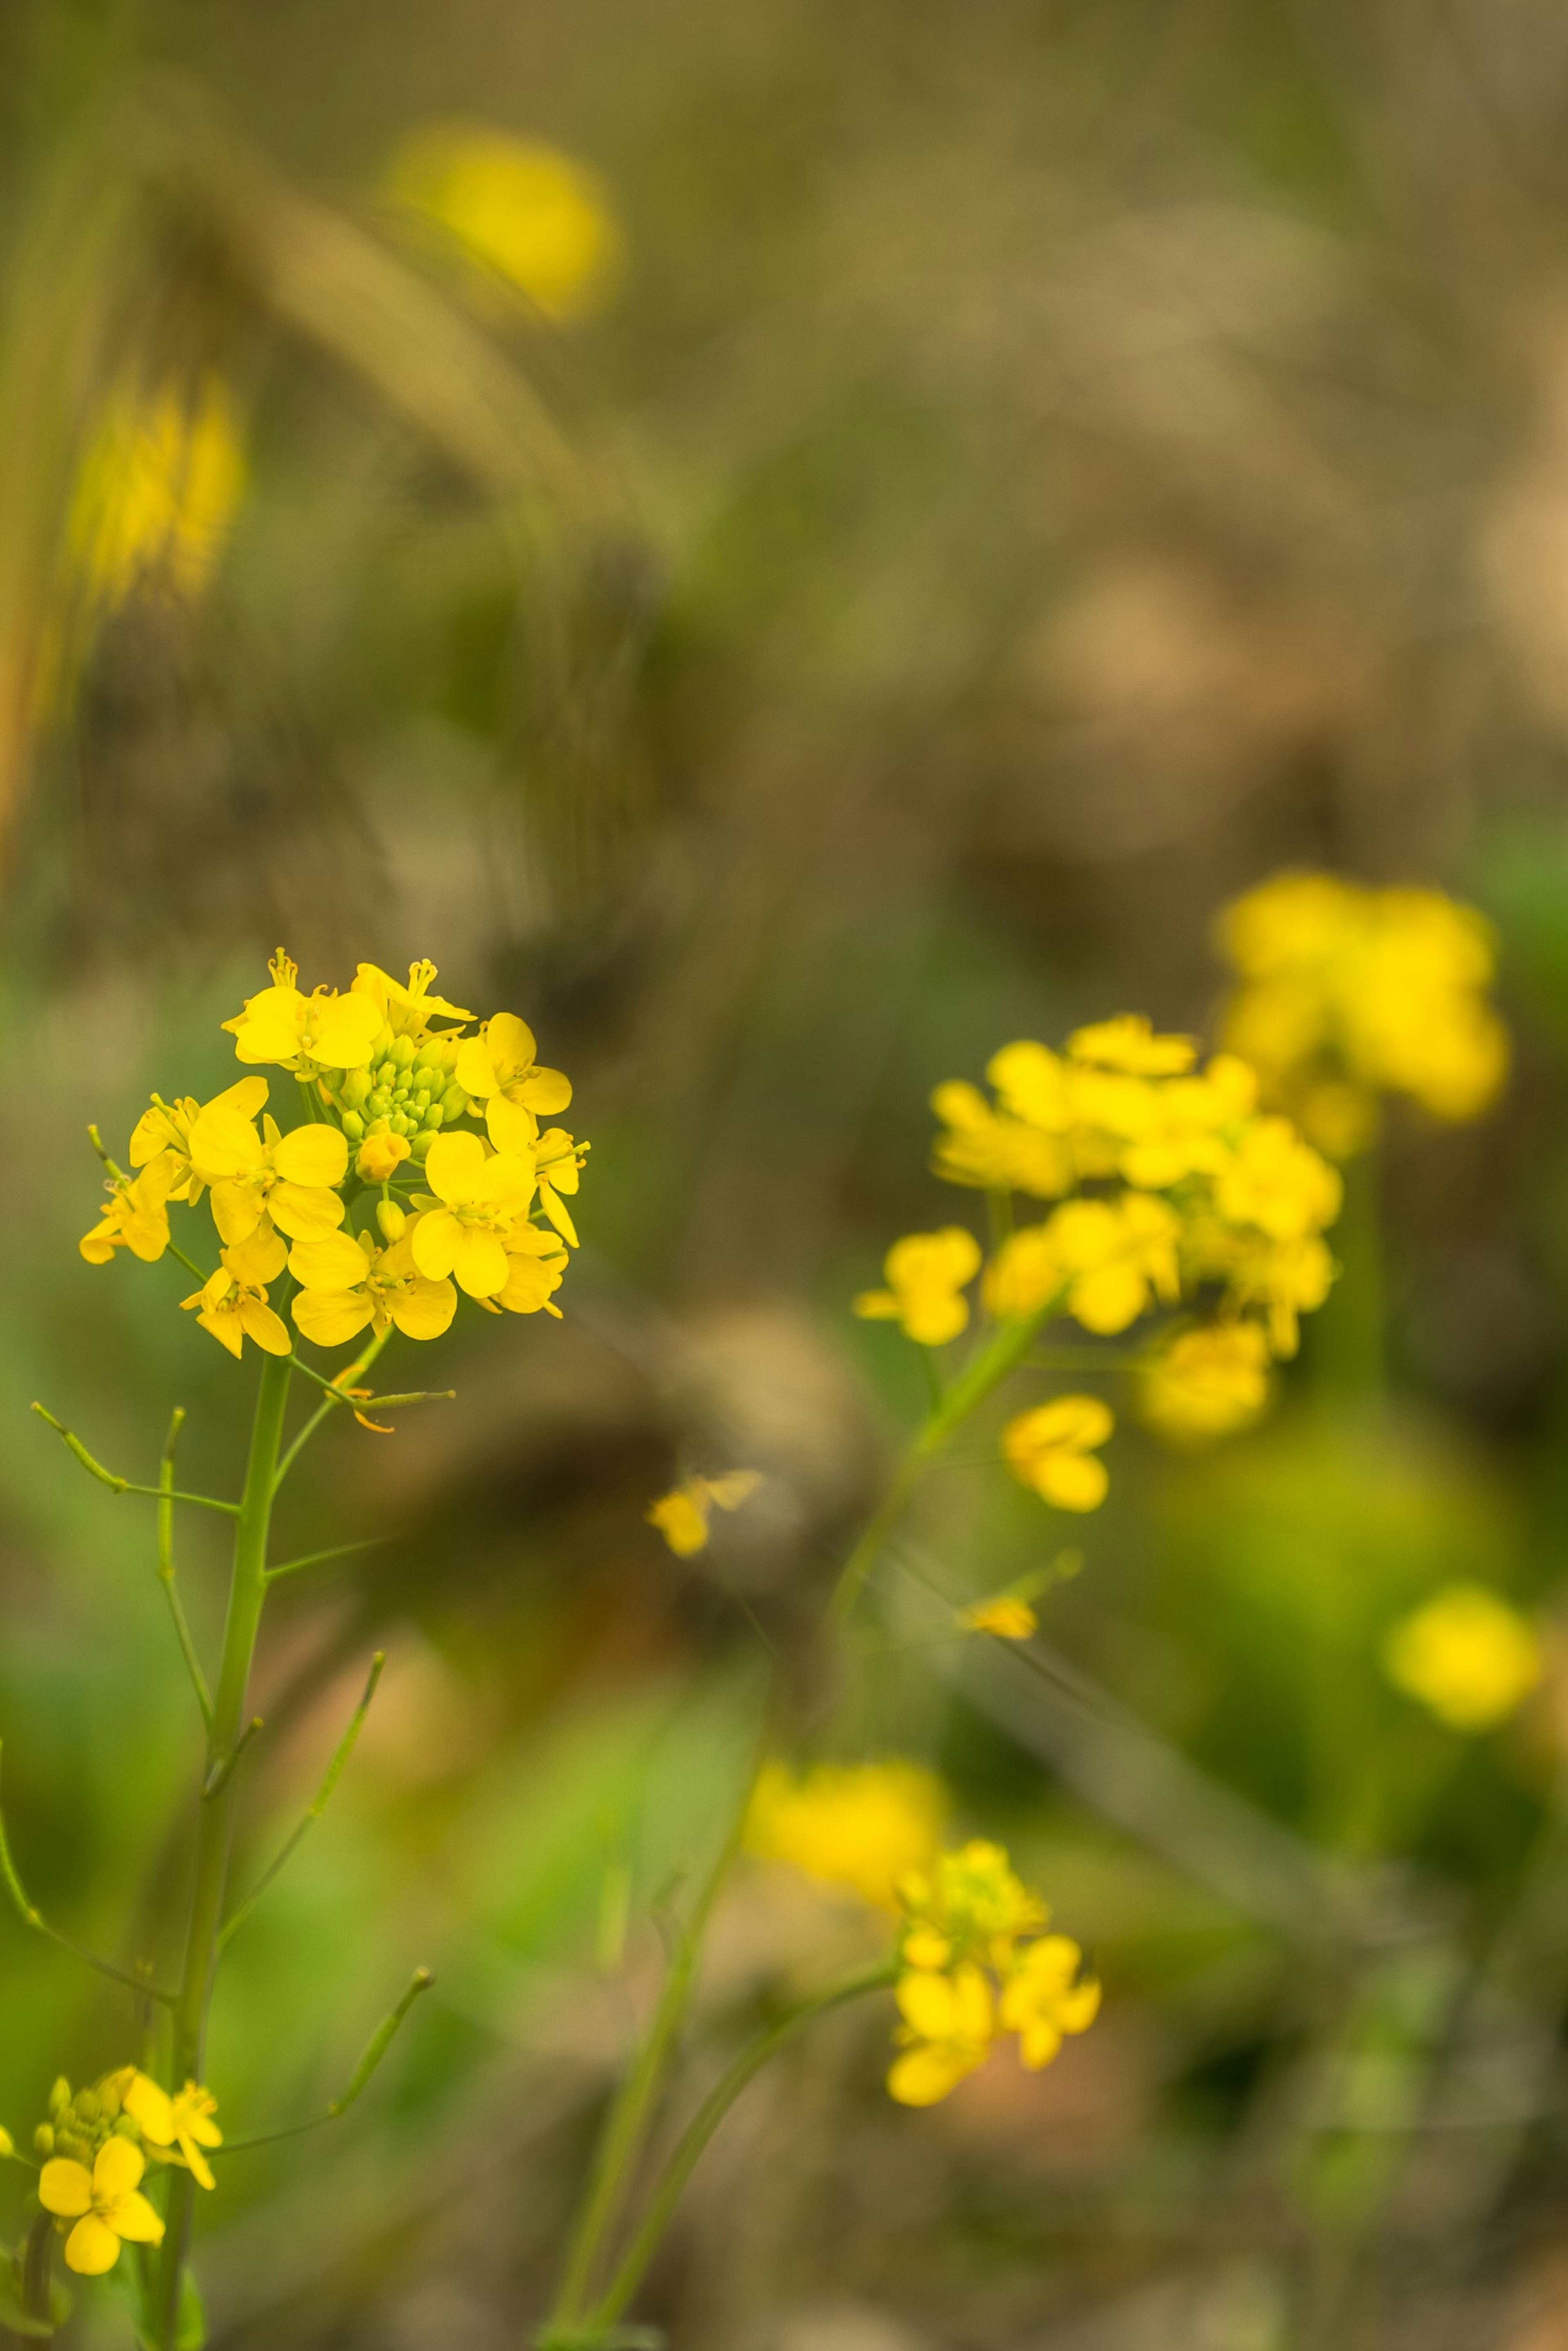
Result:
683,2159
1000,1355
1348,1348
36,2266
214,1816
166,1566
336,1396
335,1769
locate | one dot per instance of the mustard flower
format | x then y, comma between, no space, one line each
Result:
538,218
1467,1655
681,1515
1117,1256
926,1274
234,1308
1007,1616
478,1196
500,1069
157,490
167,1127
289,1179
1053,1446
1128,1043
347,1283
969,1905
137,1215
183,2120
557,1164
993,1152
535,1264
1277,1182
1208,1383
949,2024
105,2203
406,1011
1185,1133
1042,1999
380,1156
281,1024
860,1825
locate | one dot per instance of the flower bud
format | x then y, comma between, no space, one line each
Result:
382,1044
59,2098
402,1052
80,2150
89,2107
42,2140
378,1103
433,1116
125,2127
453,1102
392,1220
379,1156
429,1055
421,1142
356,1086
353,1126
108,2092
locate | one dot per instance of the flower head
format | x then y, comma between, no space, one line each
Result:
183,2120
281,1024
1208,1383
346,1283
1042,1999
949,2024
1052,1448
232,1306
407,1011
860,1825
1466,1655
290,1179
1007,1616
137,1215
501,1068
157,491
681,1515
926,1274
479,1195
1128,1043
105,2203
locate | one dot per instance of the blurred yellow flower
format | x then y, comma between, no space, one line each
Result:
969,1905
1277,1182
1116,1257
281,1024
1042,1999
926,1274
861,1825
1208,1383
992,1152
1348,993
536,218
949,2024
1006,1617
157,490
346,1283
1467,1655
1128,1043
1053,1446
105,2203
681,1515
185,2119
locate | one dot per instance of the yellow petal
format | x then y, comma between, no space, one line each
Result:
425,1311
223,1326
555,1209
118,2169
481,1264
345,1029
330,1317
259,1259
511,1045
929,2003
92,2247
1039,2043
453,1168
1071,1481
923,2076
476,1072
544,1092
236,1210
247,1096
64,2188
326,1261
312,1155
149,2107
682,1519
435,1240
259,1323
304,1212
201,2169
132,2217
223,1143
512,1128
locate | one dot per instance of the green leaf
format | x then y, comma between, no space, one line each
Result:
15,2318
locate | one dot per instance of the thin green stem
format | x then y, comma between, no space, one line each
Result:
166,1566
376,2048
214,1816
36,2298
31,1916
987,1369
345,1748
630,2114
683,2159
160,1493
318,1558
189,1263
218,1776
336,1396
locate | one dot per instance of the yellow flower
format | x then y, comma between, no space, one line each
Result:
1024,1276
535,1263
1114,1255
281,1024
1128,1043
480,1195
234,1308
681,1515
970,1905
1208,1383
1042,1999
557,1161
380,1156
286,1178
1466,1655
994,1152
949,2024
1007,1617
157,490
863,1826
926,1273
538,218
1286,1278
498,1067
1052,1449
184,2120
1277,1182
346,1283
105,2203
1183,1134
137,1216
166,1126
406,1011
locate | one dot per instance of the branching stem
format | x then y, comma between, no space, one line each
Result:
376,2048
166,1566
160,1493
31,1916
345,1748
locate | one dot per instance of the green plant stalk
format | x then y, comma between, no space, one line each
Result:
214,1816
985,1370
683,2159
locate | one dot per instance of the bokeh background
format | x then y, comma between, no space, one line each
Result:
1007,479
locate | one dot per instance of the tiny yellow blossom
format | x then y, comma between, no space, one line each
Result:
185,2119
535,1264
1129,1043
1116,1257
406,1011
105,2203
557,1161
1053,1446
860,1825
1208,1383
949,2024
538,218
380,1156
1025,1274
969,1905
926,1274
1277,1182
346,1283
1466,1655
478,1196
234,1308
137,1216
1006,1617
681,1515
289,1179
994,1152
499,1067
157,491
1042,1999
281,1024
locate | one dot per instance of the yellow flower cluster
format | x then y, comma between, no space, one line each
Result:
1467,1655
95,2147
535,217
976,1963
1348,993
861,1825
1208,1383
381,1206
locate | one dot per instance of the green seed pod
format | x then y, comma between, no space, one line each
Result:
355,1087
453,1102
402,1052
59,2098
378,1103
353,1126
42,2140
89,2107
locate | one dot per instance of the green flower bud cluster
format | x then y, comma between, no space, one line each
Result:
405,1089
78,2125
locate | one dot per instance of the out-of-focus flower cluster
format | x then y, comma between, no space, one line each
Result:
860,1825
95,2147
157,490
1348,993
1467,1655
1170,1184
533,217
383,1204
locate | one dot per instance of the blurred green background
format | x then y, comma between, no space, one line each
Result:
1032,471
